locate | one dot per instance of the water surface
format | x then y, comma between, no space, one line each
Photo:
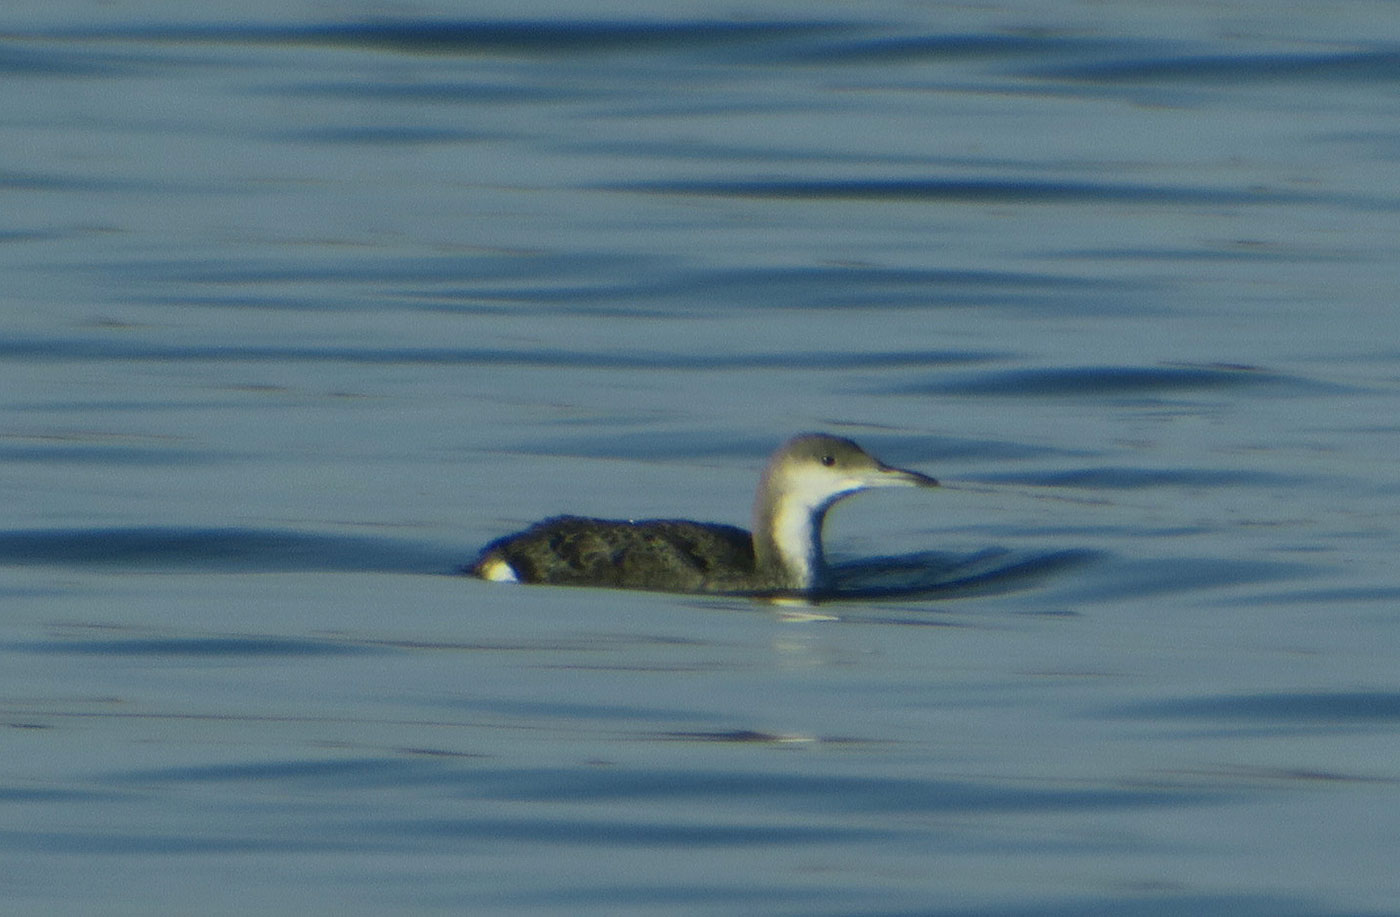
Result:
304,305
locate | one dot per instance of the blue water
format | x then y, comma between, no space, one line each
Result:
304,303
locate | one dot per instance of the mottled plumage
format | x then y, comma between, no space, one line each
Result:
784,554
671,555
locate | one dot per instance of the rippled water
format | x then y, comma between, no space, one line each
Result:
305,304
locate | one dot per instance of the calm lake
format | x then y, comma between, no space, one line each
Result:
305,302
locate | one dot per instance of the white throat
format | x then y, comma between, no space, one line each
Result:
796,521
797,539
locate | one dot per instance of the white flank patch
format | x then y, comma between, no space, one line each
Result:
498,571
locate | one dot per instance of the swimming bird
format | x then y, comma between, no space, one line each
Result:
783,554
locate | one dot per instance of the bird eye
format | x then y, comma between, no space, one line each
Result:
828,460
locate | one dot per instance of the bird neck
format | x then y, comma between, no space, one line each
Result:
787,542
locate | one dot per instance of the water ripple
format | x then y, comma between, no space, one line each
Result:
212,647
886,49
456,36
16,62
1379,66
122,350
1319,707
220,549
1139,478
789,791
682,445
934,575
1111,381
1021,191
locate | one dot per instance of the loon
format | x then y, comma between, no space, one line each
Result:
803,479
